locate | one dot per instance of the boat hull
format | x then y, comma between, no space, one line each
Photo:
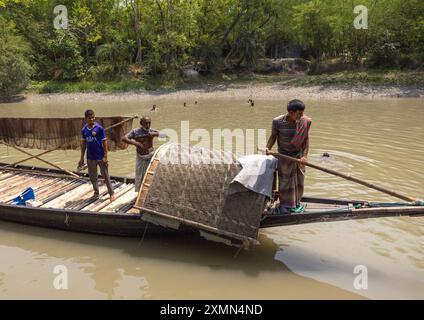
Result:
132,225
81,221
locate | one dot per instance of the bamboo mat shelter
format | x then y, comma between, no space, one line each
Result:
192,186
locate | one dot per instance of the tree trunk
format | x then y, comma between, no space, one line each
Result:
137,30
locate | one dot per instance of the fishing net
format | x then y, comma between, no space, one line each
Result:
61,133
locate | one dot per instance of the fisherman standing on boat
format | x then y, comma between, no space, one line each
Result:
291,131
142,138
95,142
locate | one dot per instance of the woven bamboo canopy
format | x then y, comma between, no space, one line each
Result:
192,186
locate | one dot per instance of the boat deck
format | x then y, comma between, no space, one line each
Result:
59,191
65,202
312,206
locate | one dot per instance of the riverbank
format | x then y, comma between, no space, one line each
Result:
345,85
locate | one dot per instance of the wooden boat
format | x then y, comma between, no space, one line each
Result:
66,204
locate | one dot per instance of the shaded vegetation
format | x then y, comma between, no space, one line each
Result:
128,41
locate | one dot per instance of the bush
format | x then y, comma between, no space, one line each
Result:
101,72
320,66
14,74
15,69
115,56
67,60
411,61
383,56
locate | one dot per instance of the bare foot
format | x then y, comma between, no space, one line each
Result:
112,198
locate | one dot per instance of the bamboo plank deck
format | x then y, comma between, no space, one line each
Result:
61,192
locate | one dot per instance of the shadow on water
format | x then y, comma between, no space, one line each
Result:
160,259
184,247
187,247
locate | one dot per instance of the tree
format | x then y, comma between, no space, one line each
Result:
15,69
116,54
67,62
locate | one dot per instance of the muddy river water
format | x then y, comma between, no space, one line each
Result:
380,141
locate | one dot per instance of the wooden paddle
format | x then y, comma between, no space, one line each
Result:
344,176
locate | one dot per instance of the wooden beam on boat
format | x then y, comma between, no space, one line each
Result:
102,198
59,185
340,215
133,210
17,180
126,198
54,197
118,194
4,175
85,199
29,181
128,208
147,181
10,178
45,188
76,193
332,201
34,183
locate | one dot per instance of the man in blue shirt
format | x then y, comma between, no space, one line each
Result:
93,139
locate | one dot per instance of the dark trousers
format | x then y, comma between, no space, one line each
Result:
92,173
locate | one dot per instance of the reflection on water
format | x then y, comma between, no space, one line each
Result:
329,251
158,268
370,140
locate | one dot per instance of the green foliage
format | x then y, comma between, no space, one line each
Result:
15,69
115,55
162,36
66,57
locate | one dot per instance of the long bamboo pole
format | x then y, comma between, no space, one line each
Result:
45,161
344,176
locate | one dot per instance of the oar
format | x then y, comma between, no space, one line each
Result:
350,178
